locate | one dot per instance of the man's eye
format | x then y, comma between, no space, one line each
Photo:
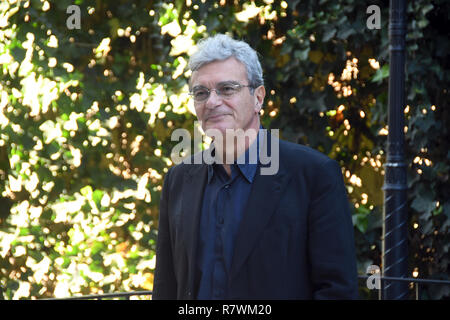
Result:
227,90
200,94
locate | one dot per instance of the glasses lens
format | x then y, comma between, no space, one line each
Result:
201,94
228,90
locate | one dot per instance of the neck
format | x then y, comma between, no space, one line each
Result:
234,144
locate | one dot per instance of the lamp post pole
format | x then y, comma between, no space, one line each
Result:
395,215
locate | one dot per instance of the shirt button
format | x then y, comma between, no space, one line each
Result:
227,186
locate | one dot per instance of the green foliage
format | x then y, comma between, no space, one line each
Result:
84,145
86,117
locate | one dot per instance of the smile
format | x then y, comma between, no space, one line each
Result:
216,117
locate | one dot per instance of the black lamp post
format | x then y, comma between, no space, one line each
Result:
395,215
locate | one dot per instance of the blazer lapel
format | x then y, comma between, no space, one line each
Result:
193,189
263,202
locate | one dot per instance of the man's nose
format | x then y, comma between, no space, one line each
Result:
213,100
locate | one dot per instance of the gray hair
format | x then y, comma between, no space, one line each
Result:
222,47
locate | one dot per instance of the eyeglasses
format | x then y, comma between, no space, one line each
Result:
224,90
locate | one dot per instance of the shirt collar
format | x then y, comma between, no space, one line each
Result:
247,168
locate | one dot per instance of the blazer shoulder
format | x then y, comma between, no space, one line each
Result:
295,155
191,164
320,172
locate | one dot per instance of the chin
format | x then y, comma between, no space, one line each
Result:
221,126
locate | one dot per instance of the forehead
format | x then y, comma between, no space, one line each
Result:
219,71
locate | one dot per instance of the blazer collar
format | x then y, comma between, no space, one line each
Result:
193,189
262,204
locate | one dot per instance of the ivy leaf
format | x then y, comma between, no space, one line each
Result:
381,74
328,34
345,33
302,55
423,206
97,197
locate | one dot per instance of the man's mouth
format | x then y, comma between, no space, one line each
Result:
215,117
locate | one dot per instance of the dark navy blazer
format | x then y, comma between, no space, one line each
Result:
295,239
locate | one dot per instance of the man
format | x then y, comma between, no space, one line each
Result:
227,231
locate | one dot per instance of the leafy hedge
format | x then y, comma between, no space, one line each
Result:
86,117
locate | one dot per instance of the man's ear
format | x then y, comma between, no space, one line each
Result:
260,94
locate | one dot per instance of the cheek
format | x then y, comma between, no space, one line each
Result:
199,111
248,108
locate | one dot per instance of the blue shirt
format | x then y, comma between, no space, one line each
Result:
223,206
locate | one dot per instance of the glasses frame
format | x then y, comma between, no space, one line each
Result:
237,86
